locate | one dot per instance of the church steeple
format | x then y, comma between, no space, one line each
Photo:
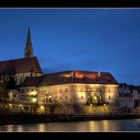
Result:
28,52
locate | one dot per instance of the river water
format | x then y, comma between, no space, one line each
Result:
82,126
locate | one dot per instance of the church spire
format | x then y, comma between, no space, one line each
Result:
28,52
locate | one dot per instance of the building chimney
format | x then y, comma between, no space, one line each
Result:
99,74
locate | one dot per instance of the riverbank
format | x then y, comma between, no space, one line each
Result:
34,118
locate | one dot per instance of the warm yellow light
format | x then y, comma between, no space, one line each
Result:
10,105
32,93
41,107
90,104
49,97
95,97
20,105
104,104
34,100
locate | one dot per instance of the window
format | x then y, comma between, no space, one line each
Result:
66,90
60,90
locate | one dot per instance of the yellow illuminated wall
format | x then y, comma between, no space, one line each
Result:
77,93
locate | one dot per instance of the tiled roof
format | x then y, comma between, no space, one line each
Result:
64,77
22,65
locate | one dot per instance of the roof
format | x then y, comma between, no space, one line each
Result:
22,65
66,77
31,81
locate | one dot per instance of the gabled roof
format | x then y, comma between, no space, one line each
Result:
65,77
22,65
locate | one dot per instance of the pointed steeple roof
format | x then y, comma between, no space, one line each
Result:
28,52
29,42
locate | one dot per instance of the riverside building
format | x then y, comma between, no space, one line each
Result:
66,92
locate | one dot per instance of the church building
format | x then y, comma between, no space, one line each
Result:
22,67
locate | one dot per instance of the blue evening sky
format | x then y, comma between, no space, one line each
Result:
105,40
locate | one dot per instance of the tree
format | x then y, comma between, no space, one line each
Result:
3,93
8,82
11,83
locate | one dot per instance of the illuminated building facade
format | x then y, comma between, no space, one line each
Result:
70,88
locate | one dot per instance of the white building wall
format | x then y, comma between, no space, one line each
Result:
75,93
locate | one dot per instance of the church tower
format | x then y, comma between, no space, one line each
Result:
28,52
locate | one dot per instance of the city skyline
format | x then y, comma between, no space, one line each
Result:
105,40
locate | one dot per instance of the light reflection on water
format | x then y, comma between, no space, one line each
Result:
83,126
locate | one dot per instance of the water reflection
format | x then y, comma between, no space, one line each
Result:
85,126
